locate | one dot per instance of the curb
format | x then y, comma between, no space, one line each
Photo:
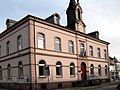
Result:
105,84
91,87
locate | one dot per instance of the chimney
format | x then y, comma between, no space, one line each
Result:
10,22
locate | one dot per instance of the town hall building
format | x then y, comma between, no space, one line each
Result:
41,54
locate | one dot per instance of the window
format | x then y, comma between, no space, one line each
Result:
41,41
56,20
82,49
92,69
0,72
106,70
91,51
19,42
98,53
9,71
57,44
0,51
42,65
72,69
8,47
20,69
58,69
78,14
105,54
99,70
71,47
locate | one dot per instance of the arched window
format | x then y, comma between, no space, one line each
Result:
106,71
99,70
42,65
41,40
19,42
79,14
70,46
0,72
57,44
58,69
105,54
9,71
92,69
20,69
0,51
8,47
72,69
91,51
82,49
98,52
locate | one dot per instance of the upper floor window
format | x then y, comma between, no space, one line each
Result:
8,47
57,44
72,69
9,71
105,54
19,42
98,52
99,70
0,51
82,52
41,40
42,65
91,51
20,69
92,69
0,72
59,69
71,46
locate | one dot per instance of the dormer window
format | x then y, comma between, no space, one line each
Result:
56,20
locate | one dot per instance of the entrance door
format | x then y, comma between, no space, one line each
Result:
83,71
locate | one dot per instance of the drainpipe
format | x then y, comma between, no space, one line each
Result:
36,87
77,56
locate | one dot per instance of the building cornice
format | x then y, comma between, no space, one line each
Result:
36,19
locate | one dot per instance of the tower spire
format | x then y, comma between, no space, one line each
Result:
78,2
72,4
74,16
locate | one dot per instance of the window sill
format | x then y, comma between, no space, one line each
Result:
105,74
100,75
9,77
42,76
72,76
21,77
58,76
92,75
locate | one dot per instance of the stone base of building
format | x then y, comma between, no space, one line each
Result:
46,86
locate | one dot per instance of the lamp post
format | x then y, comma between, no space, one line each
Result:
48,74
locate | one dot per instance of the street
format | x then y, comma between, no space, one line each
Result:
105,88
109,86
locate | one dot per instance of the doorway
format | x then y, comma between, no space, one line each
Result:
83,71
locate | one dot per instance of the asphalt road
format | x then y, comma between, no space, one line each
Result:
105,88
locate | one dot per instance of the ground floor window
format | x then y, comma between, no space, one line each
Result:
42,65
58,69
0,72
72,69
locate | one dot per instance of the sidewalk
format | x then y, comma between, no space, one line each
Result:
91,87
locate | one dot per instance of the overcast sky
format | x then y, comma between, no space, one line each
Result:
98,15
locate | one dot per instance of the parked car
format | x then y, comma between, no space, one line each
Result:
117,87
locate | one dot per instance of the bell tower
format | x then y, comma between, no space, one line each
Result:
74,16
